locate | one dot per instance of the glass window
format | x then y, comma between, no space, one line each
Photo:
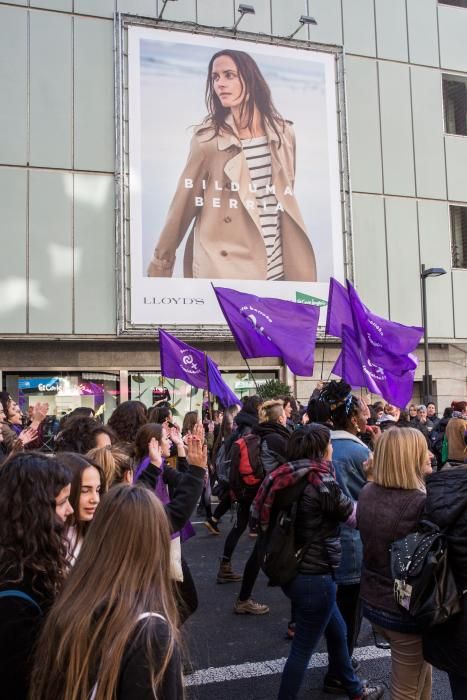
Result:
455,3
458,216
149,387
65,391
455,104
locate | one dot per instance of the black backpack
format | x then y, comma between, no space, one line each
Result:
424,584
278,555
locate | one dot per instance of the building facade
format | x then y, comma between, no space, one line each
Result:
405,67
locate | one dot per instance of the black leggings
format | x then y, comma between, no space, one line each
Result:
241,522
187,599
250,574
223,506
348,602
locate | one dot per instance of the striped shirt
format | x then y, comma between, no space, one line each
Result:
258,158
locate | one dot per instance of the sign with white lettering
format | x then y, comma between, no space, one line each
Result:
234,173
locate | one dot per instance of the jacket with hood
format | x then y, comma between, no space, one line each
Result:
274,440
445,646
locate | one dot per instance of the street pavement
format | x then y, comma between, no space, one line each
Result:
239,657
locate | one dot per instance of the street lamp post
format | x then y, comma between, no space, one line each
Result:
427,378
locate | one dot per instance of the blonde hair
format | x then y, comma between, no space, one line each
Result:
271,410
399,459
113,461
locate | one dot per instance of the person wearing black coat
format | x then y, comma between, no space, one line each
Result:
445,646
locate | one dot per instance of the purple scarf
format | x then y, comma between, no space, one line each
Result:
162,493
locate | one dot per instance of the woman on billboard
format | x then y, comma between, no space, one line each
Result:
237,187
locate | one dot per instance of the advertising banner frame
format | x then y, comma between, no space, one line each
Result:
126,326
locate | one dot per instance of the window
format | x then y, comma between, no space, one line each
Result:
458,217
455,104
454,3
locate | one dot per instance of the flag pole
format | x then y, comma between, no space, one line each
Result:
251,374
208,387
322,357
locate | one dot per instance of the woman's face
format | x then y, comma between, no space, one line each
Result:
14,414
2,414
288,410
103,440
227,83
62,504
90,494
362,416
165,444
412,411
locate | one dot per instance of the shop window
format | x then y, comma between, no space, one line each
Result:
151,387
455,104
458,216
454,3
65,391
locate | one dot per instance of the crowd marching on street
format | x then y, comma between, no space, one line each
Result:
94,586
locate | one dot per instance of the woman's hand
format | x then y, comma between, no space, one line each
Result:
154,450
197,452
174,435
368,467
28,435
39,413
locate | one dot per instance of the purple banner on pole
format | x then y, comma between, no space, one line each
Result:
181,361
265,327
359,370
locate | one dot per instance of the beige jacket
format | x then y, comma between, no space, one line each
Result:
225,241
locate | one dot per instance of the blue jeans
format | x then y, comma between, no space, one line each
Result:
458,686
314,600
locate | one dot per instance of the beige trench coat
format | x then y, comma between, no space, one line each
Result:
225,241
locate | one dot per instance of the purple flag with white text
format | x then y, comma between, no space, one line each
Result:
359,370
182,361
265,327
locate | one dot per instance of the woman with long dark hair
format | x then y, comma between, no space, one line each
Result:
34,492
113,631
87,486
237,186
127,419
308,479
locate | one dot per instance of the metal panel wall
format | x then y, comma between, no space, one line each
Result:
422,20
452,33
363,121
435,251
94,254
359,27
391,29
403,260
50,252
14,85
427,108
459,284
51,89
456,167
220,14
328,14
13,290
93,95
369,239
396,129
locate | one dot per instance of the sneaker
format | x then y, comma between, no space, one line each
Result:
373,692
250,607
225,573
333,686
212,526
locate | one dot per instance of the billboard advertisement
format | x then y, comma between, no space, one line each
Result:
233,173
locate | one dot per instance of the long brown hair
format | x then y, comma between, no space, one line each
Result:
113,461
144,436
257,94
123,571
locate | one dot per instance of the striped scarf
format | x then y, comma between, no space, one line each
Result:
284,477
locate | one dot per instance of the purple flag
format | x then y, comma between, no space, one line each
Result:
339,311
181,361
264,327
381,334
218,387
359,370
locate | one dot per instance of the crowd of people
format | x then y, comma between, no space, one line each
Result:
94,586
